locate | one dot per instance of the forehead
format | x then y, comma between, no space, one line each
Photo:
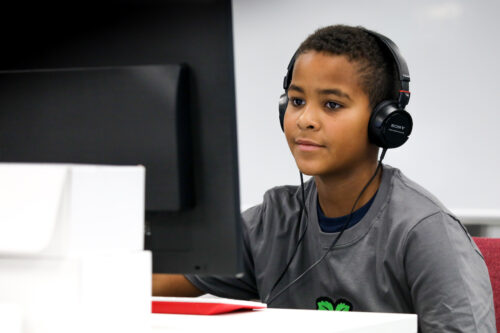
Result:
321,70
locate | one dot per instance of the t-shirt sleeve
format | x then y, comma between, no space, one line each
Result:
239,287
448,278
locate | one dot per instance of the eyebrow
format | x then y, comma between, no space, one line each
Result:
337,92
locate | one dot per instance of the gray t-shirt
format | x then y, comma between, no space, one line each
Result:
408,254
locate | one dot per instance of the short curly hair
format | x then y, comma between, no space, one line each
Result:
376,66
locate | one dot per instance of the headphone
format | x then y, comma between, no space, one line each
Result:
390,124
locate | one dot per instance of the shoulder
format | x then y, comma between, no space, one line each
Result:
412,211
442,265
278,211
283,196
422,214
411,203
419,196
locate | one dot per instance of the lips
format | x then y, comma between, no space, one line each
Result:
308,145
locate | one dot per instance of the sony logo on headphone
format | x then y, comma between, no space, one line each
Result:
399,127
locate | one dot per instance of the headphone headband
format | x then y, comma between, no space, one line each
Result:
289,70
403,72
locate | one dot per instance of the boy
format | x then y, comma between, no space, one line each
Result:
358,236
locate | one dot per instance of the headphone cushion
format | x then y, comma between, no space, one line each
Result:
389,126
283,103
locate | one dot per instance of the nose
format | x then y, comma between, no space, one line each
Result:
308,119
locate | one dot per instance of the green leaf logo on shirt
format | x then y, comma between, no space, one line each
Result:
341,306
326,303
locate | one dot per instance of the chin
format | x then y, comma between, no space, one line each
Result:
309,170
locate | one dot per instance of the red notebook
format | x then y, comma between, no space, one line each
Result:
201,306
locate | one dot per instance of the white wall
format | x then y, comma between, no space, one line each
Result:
452,50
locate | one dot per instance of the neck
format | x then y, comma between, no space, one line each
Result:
337,193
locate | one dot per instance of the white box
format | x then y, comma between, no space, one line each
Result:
71,249
98,293
59,210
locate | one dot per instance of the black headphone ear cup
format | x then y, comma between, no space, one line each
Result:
282,108
389,126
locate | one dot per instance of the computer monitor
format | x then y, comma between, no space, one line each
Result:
147,83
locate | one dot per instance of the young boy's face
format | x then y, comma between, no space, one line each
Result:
326,121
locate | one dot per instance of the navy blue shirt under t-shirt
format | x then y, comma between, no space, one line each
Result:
335,224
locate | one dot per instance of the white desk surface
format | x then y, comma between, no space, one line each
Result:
284,320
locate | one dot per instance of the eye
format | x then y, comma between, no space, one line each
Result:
332,105
297,101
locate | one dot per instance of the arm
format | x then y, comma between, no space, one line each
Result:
241,287
223,286
448,278
174,285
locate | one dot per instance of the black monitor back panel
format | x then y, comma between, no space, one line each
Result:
198,33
